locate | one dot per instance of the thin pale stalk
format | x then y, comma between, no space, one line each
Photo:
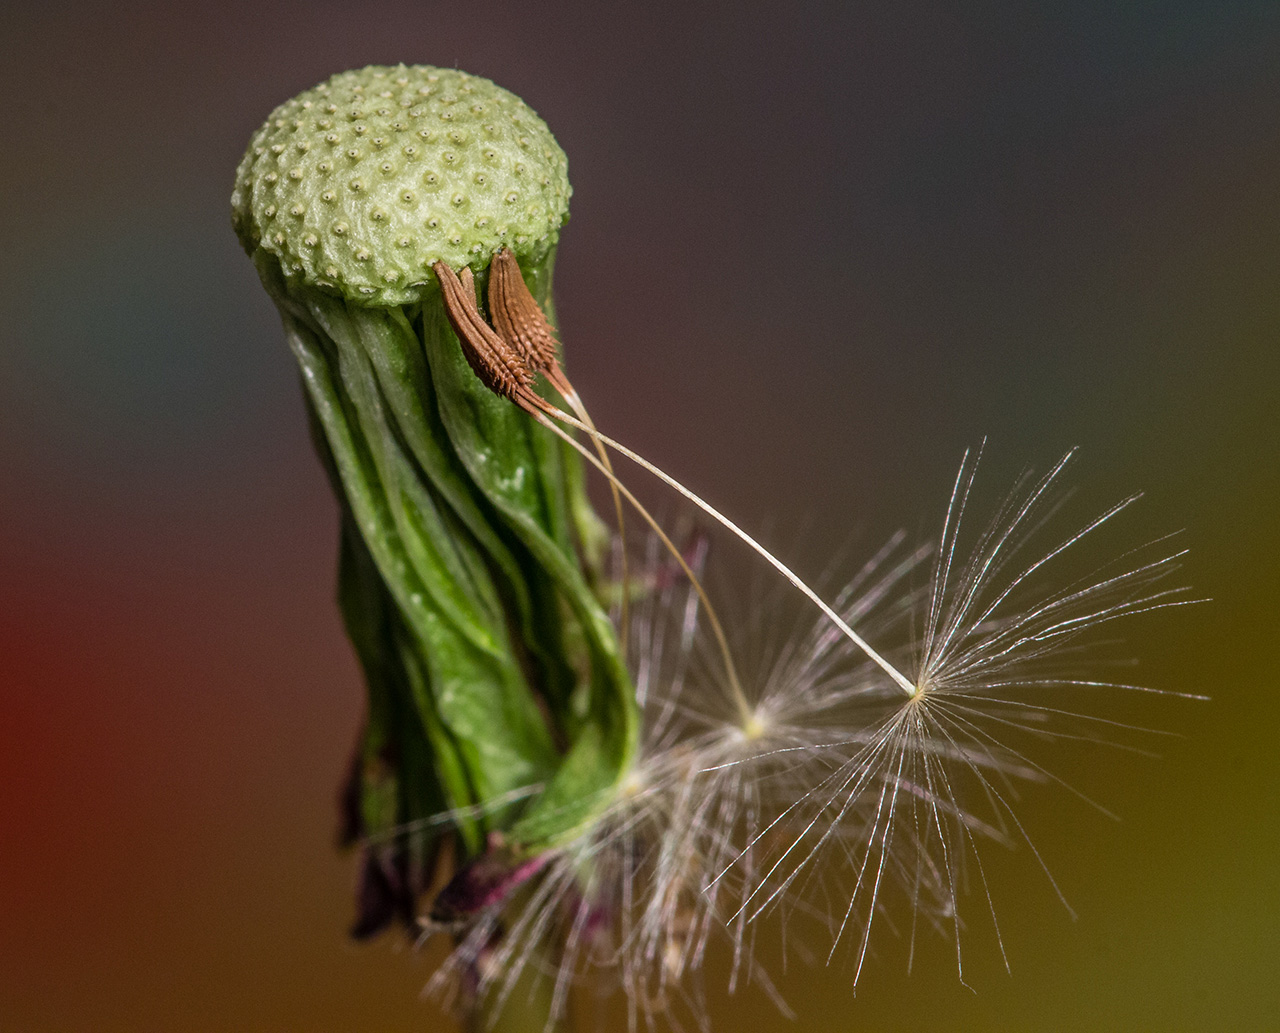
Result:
901,680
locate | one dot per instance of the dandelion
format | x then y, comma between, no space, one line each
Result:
470,554
619,793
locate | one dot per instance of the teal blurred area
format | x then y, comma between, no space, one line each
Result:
816,252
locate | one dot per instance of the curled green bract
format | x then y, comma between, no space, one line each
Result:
468,575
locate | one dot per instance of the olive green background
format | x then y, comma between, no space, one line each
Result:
816,251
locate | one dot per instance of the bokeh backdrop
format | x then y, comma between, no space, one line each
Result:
817,249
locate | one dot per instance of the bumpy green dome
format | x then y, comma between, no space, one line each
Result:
366,181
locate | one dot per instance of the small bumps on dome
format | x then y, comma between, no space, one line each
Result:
362,184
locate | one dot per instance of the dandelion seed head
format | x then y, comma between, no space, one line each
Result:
999,646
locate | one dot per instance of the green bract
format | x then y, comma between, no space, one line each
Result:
498,698
366,181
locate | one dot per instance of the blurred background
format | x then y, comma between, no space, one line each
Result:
816,251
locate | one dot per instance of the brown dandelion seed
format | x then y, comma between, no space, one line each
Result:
517,316
495,362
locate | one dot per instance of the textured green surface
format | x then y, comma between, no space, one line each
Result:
364,182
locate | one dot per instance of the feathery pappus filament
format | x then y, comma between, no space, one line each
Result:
836,804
